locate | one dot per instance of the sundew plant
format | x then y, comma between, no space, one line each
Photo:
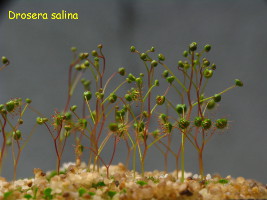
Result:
117,117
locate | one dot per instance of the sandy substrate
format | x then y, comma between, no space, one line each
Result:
78,183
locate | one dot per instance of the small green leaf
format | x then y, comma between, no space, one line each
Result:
47,194
91,193
223,181
7,194
99,184
81,192
27,196
111,194
142,183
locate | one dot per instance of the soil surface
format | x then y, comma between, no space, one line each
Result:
80,183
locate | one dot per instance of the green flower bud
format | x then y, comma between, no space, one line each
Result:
121,71
217,98
193,46
152,49
2,106
128,80
221,123
156,82
131,77
207,47
186,65
208,73
196,62
82,124
211,104
168,127
93,115
161,57
40,120
141,74
170,79
100,46
73,108
113,127
163,117
198,121
86,84
238,83
17,101
112,98
68,116
180,64
143,56
132,48
145,114
83,66
10,106
86,63
4,60
206,124
83,55
181,108
128,97
96,59
165,74
183,123
87,95
28,101
99,95
16,135
160,100
73,49
94,53
8,142
206,63
213,66
154,63
78,67
20,121
185,53
139,81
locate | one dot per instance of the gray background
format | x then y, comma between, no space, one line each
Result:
237,30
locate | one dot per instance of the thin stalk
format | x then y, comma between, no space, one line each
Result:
4,142
182,156
16,161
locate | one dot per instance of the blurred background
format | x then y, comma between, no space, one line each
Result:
39,51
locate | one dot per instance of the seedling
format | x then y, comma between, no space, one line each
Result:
142,183
81,192
99,184
11,114
48,194
223,181
7,195
28,196
111,194
106,114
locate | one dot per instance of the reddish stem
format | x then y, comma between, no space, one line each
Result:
17,160
4,141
